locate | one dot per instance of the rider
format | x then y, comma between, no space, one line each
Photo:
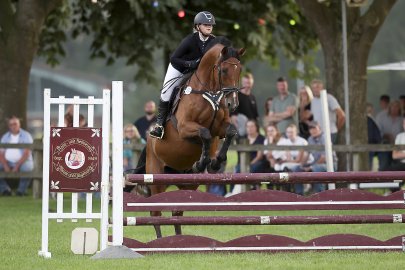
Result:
184,60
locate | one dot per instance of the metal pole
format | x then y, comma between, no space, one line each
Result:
346,82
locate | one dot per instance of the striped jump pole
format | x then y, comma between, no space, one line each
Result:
266,178
265,220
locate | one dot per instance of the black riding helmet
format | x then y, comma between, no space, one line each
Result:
204,17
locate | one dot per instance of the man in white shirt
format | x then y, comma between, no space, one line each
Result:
15,159
337,116
287,160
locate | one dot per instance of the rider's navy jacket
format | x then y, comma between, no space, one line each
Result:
191,48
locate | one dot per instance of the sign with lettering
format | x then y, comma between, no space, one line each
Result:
75,157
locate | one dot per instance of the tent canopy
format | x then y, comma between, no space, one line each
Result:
389,66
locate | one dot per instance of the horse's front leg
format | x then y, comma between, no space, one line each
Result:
215,164
200,165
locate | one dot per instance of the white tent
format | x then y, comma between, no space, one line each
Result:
389,66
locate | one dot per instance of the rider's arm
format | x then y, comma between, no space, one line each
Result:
183,49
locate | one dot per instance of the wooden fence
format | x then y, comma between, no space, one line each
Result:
37,149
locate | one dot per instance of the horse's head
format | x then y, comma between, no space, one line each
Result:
220,71
228,75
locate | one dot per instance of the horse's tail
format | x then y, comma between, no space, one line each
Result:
140,169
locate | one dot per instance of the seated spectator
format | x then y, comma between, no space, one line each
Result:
402,100
131,135
304,110
287,160
316,160
68,119
267,107
373,132
272,137
399,156
258,162
390,125
14,159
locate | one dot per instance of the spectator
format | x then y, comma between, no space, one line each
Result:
402,100
373,132
336,114
384,103
144,123
272,137
283,111
287,160
267,107
316,160
14,159
257,160
304,110
391,126
69,120
397,155
247,109
131,135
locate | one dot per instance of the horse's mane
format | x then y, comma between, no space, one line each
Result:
226,43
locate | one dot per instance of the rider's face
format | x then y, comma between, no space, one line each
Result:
205,29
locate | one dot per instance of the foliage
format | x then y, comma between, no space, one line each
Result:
134,29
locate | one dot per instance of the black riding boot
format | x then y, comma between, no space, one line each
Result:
163,109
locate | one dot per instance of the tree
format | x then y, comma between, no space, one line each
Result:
134,29
362,28
20,27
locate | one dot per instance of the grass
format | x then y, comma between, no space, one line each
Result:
21,238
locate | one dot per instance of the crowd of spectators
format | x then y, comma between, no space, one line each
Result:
289,119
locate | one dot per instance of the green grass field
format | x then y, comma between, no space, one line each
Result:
21,238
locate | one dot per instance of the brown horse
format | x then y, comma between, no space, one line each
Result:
203,118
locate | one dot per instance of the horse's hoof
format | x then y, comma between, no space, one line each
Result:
213,167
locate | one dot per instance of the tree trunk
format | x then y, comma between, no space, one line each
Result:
362,30
18,46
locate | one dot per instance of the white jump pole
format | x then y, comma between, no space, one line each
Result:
117,165
328,140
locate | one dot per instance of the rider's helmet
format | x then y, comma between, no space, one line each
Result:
204,17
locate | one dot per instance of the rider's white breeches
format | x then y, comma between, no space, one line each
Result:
172,79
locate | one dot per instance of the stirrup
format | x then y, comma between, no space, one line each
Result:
157,132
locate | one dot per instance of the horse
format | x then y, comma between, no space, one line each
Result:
201,119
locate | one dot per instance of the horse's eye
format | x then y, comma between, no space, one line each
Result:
225,71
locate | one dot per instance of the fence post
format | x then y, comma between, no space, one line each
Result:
37,182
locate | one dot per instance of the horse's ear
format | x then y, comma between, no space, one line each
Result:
224,51
241,51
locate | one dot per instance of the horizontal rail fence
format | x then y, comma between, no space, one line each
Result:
37,148
264,200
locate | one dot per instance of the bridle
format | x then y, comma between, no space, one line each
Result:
212,95
225,90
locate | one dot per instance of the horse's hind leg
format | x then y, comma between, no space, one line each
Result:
177,228
156,190
215,164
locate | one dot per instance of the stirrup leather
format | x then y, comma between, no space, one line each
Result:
154,132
